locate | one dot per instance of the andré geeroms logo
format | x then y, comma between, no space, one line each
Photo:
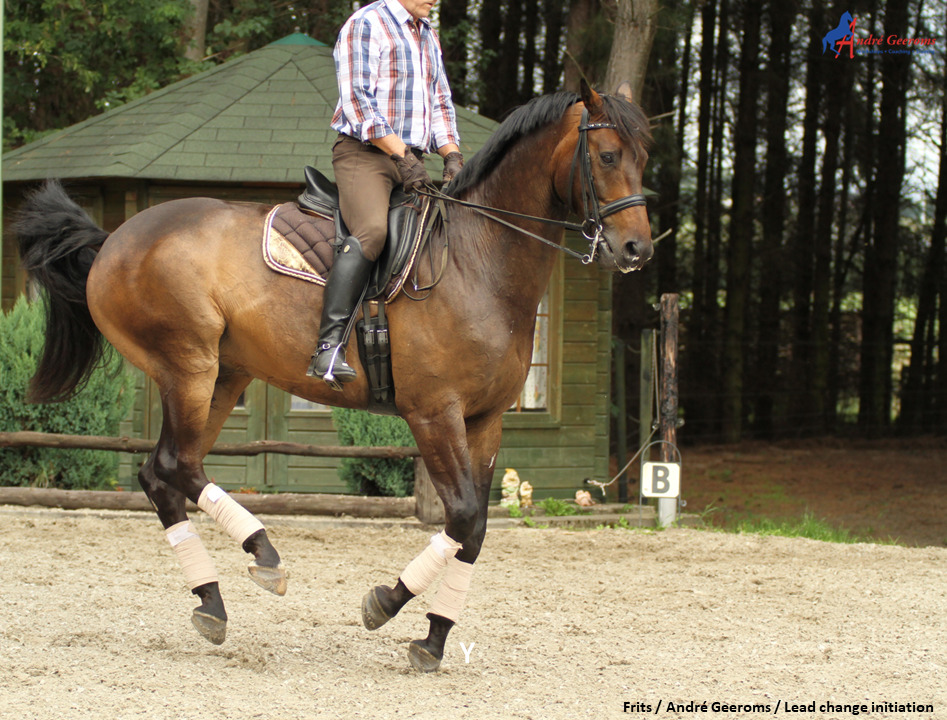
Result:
842,38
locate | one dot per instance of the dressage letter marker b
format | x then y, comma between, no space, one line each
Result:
661,480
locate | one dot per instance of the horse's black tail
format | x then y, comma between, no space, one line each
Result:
58,242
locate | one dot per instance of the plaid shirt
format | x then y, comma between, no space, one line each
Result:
392,79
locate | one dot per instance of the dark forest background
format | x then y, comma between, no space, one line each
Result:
805,194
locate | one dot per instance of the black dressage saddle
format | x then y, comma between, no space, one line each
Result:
404,217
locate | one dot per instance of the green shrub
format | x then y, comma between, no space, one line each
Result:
555,507
96,410
372,476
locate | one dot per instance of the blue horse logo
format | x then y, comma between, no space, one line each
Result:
840,35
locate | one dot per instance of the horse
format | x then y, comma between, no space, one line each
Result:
840,33
181,291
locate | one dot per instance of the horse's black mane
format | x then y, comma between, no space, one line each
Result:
538,113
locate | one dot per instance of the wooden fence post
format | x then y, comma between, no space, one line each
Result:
646,372
429,508
670,310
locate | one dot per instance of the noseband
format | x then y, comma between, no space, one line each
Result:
592,210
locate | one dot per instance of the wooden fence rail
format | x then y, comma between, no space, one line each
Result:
139,445
279,504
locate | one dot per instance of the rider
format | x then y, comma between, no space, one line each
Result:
394,105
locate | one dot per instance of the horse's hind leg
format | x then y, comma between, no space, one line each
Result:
156,476
210,617
195,423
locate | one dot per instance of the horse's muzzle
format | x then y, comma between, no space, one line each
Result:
633,255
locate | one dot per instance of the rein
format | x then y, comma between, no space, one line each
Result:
593,211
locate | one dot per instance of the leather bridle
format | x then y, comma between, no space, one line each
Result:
593,211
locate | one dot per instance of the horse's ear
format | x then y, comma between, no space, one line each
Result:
591,99
624,90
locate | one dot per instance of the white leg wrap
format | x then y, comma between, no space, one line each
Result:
227,512
195,562
452,594
424,569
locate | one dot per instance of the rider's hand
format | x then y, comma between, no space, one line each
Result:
413,173
453,162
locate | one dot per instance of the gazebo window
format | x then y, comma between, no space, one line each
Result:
535,394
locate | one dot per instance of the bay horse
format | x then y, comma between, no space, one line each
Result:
182,292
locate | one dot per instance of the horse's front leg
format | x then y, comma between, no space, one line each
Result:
461,466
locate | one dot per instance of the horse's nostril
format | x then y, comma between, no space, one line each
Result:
635,253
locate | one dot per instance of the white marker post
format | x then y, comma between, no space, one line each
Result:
662,480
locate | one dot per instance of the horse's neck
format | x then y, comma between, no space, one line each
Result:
520,264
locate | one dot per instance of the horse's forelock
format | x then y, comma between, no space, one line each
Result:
630,119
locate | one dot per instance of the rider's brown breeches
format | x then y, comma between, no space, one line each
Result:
365,176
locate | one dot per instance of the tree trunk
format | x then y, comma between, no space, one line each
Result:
197,31
491,28
924,401
668,84
841,265
741,225
719,149
700,330
838,87
782,18
803,251
455,26
506,83
882,258
530,33
581,13
553,18
938,235
635,26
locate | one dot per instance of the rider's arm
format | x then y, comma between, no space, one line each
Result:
357,61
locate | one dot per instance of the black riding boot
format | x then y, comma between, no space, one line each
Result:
343,290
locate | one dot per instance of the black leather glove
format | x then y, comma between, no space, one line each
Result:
453,162
413,173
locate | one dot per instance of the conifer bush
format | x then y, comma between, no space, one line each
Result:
96,410
374,476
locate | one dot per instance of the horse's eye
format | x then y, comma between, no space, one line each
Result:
607,158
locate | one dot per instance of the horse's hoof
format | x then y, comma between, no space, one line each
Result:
421,659
269,578
212,628
373,616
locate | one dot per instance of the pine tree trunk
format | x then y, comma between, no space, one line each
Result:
882,259
700,353
803,251
530,33
741,226
454,41
197,31
669,79
838,87
491,28
635,26
938,396
580,16
766,375
553,17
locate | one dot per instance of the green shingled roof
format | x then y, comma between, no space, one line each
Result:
257,118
